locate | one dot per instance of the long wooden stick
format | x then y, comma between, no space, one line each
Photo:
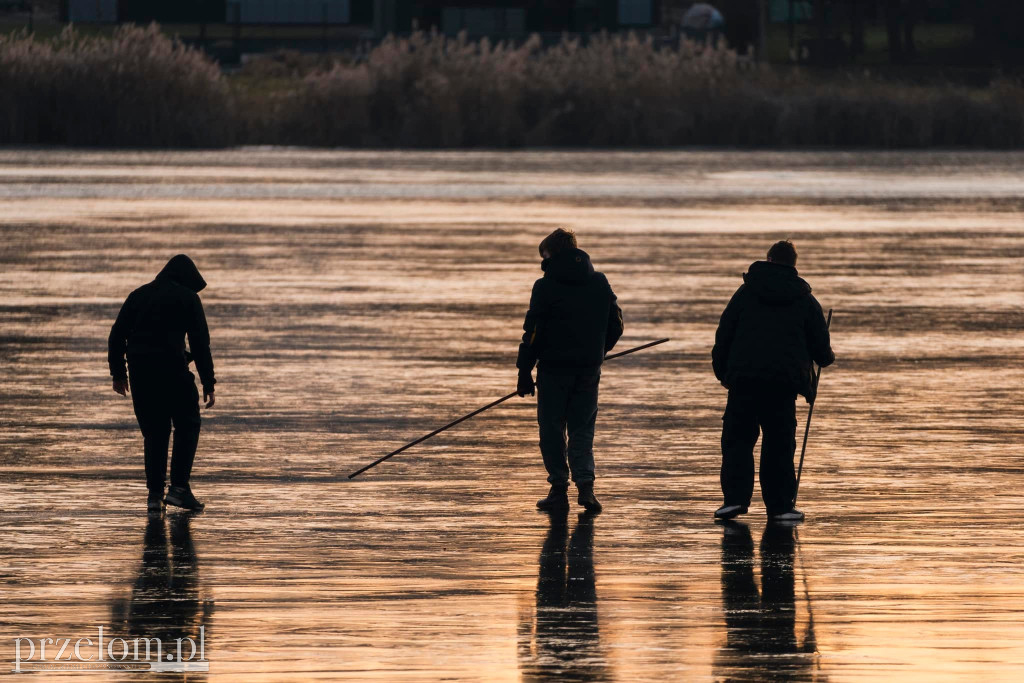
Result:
807,427
480,410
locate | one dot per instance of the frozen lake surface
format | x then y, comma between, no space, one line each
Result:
358,300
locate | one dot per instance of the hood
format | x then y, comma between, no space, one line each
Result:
571,266
775,284
182,270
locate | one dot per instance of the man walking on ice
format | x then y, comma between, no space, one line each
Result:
151,330
572,323
769,334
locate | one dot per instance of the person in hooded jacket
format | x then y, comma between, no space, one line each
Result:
573,321
768,336
150,330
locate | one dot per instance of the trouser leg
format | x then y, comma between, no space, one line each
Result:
552,402
777,412
739,434
186,432
581,418
155,435
155,423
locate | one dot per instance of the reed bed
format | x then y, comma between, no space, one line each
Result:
137,88
140,88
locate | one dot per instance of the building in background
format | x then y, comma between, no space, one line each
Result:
253,12
291,12
513,18
976,33
89,11
496,18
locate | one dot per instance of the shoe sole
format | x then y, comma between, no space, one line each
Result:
731,515
179,504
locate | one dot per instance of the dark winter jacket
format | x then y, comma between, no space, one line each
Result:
771,331
573,320
155,319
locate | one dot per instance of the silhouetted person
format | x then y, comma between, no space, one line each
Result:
761,623
572,323
151,329
563,641
165,602
768,336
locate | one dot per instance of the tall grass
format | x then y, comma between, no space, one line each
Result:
141,88
137,88
431,91
624,91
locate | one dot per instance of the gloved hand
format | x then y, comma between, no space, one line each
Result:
525,385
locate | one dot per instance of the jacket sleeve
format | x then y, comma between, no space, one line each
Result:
616,326
532,330
117,342
724,336
199,344
819,343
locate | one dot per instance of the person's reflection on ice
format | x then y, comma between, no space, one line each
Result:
166,600
560,639
761,626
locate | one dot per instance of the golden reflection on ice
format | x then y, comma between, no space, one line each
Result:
360,299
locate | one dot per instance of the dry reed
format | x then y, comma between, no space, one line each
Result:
140,88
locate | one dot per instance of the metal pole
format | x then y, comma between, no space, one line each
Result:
807,426
480,410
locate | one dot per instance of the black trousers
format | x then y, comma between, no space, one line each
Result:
567,407
165,395
770,411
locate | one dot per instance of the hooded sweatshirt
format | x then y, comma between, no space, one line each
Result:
573,320
155,319
771,331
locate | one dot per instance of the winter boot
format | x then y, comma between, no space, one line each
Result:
183,498
730,511
558,498
792,515
586,496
